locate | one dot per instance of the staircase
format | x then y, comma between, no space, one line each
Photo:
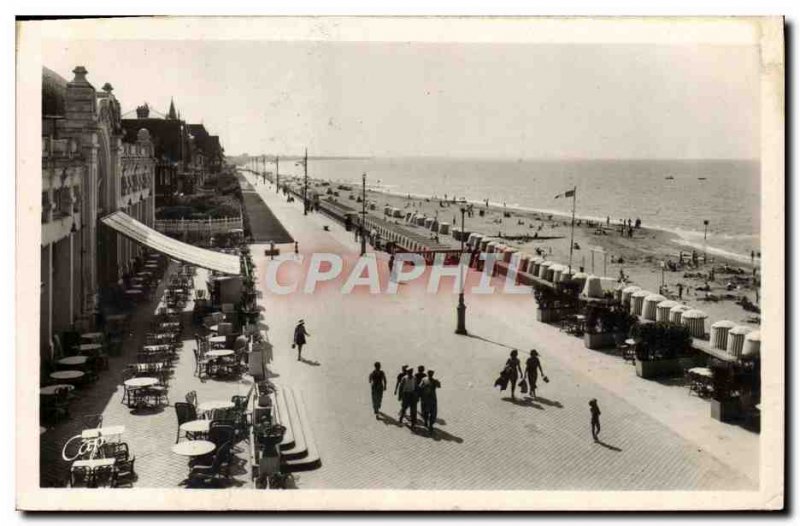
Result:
298,448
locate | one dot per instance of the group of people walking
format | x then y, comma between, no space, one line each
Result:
413,390
512,371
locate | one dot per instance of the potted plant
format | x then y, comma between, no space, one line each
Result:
727,386
547,305
660,347
597,331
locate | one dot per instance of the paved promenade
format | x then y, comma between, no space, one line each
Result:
655,436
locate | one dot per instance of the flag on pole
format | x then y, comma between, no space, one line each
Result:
568,193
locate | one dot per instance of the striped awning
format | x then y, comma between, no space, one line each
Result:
144,235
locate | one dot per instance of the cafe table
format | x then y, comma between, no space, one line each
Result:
50,390
73,360
67,375
196,426
93,337
107,431
214,405
90,348
193,448
141,381
219,353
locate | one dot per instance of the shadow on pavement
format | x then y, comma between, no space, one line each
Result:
551,403
437,434
608,446
524,402
309,362
388,420
490,341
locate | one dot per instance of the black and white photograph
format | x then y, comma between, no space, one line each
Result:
507,263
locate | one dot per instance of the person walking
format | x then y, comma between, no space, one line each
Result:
408,394
427,390
513,370
595,411
377,381
296,248
399,379
418,377
533,366
391,263
300,334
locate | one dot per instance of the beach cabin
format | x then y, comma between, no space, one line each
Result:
444,229
627,293
695,319
736,338
649,306
676,313
663,310
719,334
752,345
637,301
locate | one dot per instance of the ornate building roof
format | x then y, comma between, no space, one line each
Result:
54,91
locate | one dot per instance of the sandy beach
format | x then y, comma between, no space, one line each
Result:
640,257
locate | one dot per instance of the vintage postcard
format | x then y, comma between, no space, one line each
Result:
400,264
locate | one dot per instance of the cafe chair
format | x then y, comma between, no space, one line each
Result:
191,398
123,462
212,473
185,412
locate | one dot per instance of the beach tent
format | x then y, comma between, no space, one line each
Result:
649,306
508,252
592,287
421,220
719,334
695,319
543,267
524,262
752,345
554,272
397,212
736,338
663,309
676,313
627,292
533,266
444,229
637,301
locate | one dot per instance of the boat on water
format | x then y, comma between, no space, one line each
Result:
701,178
669,177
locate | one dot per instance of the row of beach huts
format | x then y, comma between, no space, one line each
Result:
737,340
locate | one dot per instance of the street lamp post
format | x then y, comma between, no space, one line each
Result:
461,309
277,173
705,236
305,185
363,212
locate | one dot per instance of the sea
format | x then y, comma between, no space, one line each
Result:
675,196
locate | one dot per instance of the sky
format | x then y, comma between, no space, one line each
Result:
509,100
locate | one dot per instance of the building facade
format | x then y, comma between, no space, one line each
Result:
88,171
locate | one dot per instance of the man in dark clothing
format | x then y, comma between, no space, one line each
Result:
427,390
300,338
377,381
408,394
595,410
399,379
